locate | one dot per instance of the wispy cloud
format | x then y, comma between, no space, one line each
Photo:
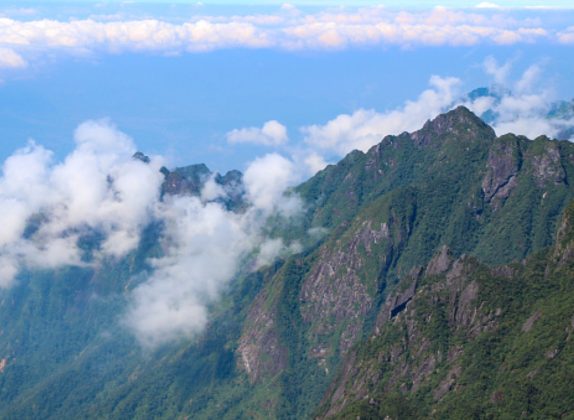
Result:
203,245
520,106
364,128
272,133
289,29
498,72
11,59
566,36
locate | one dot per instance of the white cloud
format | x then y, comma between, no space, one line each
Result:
269,251
204,245
80,36
266,180
11,59
520,107
531,127
487,5
272,133
566,36
290,9
498,72
97,187
314,162
480,105
8,271
528,79
525,113
365,128
211,190
22,41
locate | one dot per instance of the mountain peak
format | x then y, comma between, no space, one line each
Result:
462,111
459,122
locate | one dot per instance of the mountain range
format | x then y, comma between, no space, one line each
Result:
434,278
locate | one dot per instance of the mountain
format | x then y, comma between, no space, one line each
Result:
434,280
192,179
460,339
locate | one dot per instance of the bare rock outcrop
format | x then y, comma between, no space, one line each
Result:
334,296
529,323
502,167
547,166
440,263
260,352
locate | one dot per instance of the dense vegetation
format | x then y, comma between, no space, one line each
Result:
517,361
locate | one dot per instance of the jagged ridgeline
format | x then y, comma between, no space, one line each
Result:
441,287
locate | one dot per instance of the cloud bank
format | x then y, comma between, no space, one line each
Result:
95,204
288,28
50,206
204,246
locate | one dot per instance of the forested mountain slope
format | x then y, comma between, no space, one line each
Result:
435,279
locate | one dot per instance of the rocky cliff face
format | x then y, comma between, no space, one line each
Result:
261,353
405,345
414,220
502,166
469,342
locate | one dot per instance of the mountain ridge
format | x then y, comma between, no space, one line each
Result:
390,310
495,183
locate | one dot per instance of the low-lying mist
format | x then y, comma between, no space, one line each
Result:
100,190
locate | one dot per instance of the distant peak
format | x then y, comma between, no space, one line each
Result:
197,169
232,176
480,92
459,122
140,156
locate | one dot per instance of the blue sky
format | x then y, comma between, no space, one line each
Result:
181,79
